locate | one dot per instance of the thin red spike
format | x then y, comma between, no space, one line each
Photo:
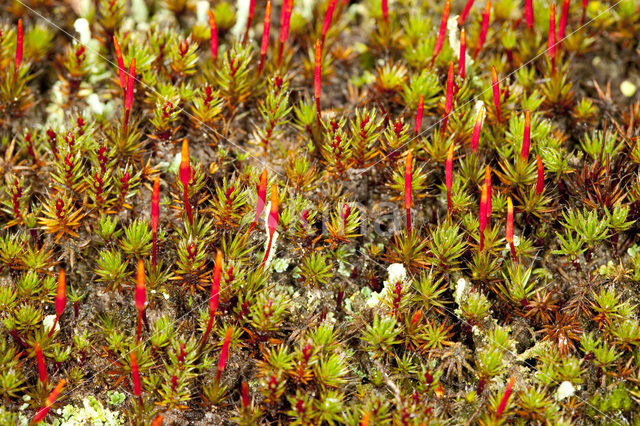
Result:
245,394
551,46
121,70
224,353
61,299
540,179
585,3
408,179
526,137
214,297
272,221
135,375
328,16
419,114
482,215
442,31
285,19
51,399
505,397
484,28
509,232
528,13
462,61
495,86
273,213
477,128
448,177
448,102
128,96
562,25
252,9
42,368
19,45
385,10
185,177
213,36
487,183
141,296
266,27
465,12
317,78
262,197
61,294
155,218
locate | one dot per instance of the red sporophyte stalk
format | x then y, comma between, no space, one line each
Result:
448,101
185,177
448,177
415,320
51,399
262,197
509,233
482,216
264,44
408,177
365,419
214,298
484,28
317,78
42,368
141,296
551,46
121,70
487,183
495,87
505,397
465,12
213,37
462,64
442,32
285,19
327,18
384,5
244,393
19,46
252,8
585,3
61,299
157,421
272,221
526,137
419,114
540,180
562,25
155,218
135,376
224,354
128,97
477,128
528,13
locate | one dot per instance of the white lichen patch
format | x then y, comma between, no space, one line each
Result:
92,412
461,290
565,390
48,321
202,7
83,29
281,264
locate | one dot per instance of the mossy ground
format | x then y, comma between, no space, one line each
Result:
355,319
